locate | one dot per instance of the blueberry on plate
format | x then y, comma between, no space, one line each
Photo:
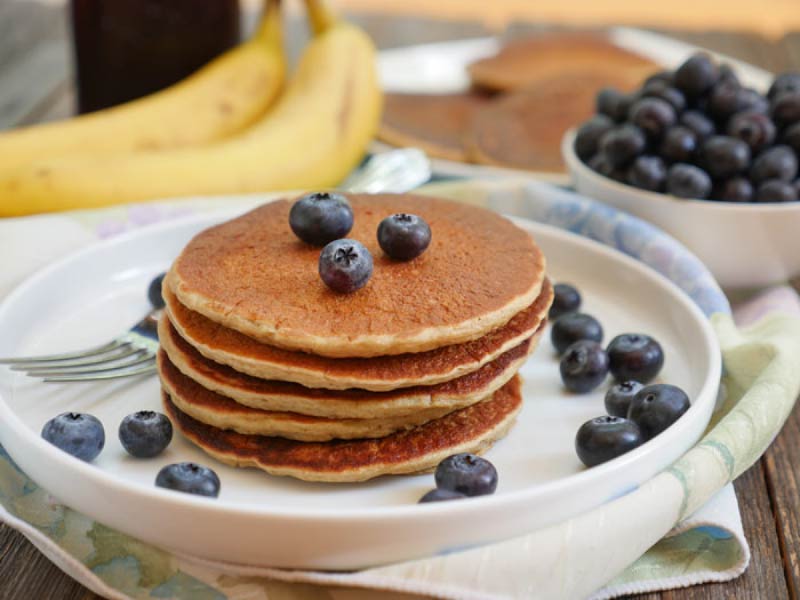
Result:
622,144
785,82
321,217
688,181
778,162
698,122
724,100
572,327
635,356
345,265
754,128
583,367
776,190
566,299
145,434
189,478
696,76
618,397
725,156
604,438
791,137
653,116
678,145
78,434
403,236
613,104
656,407
588,135
439,495
664,91
785,108
466,474
600,164
154,292
648,173
736,189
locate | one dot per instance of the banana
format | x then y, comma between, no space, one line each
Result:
221,99
313,137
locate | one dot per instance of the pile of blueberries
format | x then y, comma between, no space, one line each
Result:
345,265
637,412
143,434
697,132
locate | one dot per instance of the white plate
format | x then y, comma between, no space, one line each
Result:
258,519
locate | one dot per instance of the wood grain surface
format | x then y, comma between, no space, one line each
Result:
35,85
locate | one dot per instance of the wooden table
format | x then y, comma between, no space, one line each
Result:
35,86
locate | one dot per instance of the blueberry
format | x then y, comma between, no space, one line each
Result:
656,407
648,173
679,144
751,101
754,128
695,120
145,434
604,438
404,236
785,82
785,108
696,76
724,100
660,77
78,434
572,327
635,356
466,474
622,144
778,162
736,189
653,116
613,104
189,478
618,397
791,137
583,366
664,91
154,292
588,135
345,265
321,217
566,299
726,73
776,190
724,156
600,163
688,181
438,495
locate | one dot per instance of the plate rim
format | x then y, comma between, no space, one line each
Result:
708,391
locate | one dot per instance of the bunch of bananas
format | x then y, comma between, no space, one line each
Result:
233,127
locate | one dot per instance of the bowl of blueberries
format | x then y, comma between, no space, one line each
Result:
706,158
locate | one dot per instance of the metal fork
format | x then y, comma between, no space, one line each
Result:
132,353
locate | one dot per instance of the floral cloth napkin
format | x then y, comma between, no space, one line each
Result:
680,528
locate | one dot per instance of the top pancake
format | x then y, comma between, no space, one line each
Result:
254,276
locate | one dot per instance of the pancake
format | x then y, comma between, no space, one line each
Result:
524,130
381,373
271,395
527,62
436,123
472,429
254,276
218,411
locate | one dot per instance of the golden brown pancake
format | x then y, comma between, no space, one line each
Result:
380,373
529,61
254,276
471,429
436,123
524,130
218,411
271,395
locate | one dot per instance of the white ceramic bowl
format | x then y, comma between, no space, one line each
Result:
743,245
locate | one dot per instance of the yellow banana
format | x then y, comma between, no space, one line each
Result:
221,99
314,136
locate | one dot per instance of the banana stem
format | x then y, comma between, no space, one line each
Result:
269,29
321,16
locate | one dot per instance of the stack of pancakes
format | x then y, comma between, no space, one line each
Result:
262,365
